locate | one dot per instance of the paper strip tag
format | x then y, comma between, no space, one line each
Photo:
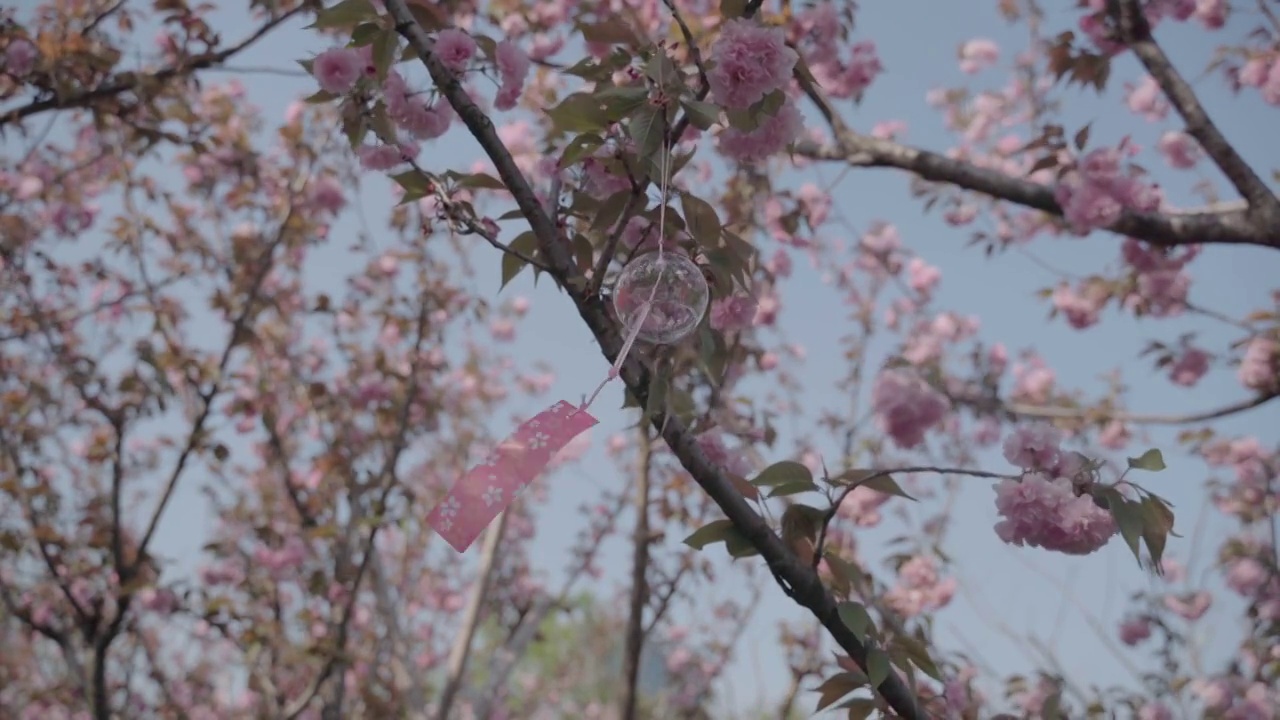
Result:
490,487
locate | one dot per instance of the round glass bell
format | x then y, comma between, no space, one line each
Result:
679,296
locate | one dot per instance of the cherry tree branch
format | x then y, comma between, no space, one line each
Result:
127,81
830,513
506,657
1024,410
799,581
461,651
639,580
1135,31
1227,227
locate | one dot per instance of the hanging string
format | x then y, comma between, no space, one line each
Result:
647,306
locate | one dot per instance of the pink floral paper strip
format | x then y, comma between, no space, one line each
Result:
490,487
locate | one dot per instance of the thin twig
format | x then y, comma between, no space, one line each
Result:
1015,410
461,651
130,81
640,539
830,513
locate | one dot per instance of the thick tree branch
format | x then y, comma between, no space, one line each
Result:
798,580
1228,227
125,82
1135,32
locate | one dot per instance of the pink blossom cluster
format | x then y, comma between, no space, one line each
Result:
1161,279
862,507
712,445
337,70
411,113
919,588
1211,14
1260,365
1101,188
1042,511
1262,72
1189,366
1252,491
1043,508
749,61
19,58
1180,150
1134,630
771,136
1081,305
1251,575
816,29
733,313
1146,99
513,66
1235,698
906,406
977,55
455,48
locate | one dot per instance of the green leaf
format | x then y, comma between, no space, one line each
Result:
345,14
381,123
416,185
578,148
365,33
704,224
610,211
730,9
916,651
716,531
878,664
579,112
385,47
1051,709
843,573
738,546
526,243
1151,460
836,687
876,480
858,708
770,104
646,128
354,127
620,102
583,252
610,32
887,485
658,383
1128,517
480,181
702,114
795,487
711,352
856,618
320,97
783,472
1157,525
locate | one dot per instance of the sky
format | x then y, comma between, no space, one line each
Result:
1070,604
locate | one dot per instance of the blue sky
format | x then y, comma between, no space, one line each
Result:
1020,588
